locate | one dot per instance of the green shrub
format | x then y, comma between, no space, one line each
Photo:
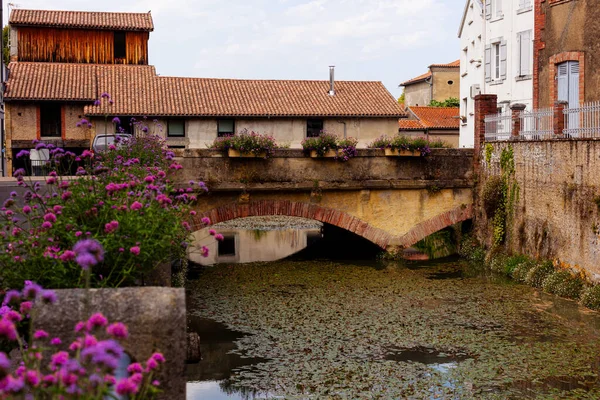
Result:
591,297
512,263
564,284
521,270
536,275
493,195
471,249
497,262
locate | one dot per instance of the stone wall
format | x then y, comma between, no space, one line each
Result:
556,212
155,317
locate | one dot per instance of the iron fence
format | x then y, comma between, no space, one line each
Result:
537,124
583,121
498,126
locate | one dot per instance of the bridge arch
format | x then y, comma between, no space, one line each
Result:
288,208
335,217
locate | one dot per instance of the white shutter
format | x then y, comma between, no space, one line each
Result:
525,53
498,8
563,82
488,9
520,54
488,63
503,56
573,84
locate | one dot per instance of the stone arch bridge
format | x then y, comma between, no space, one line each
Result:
390,201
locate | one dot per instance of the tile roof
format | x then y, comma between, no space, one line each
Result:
137,90
410,125
82,20
437,117
449,65
426,75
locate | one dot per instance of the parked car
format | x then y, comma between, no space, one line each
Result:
101,142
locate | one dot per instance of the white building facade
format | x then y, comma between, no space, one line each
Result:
496,38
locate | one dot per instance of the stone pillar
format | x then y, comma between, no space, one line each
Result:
516,119
485,104
559,117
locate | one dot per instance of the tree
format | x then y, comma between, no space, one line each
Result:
449,102
402,97
5,48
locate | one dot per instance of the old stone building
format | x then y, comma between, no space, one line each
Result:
57,77
441,82
565,53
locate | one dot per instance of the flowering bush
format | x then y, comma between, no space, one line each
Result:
247,142
86,370
326,142
401,142
123,197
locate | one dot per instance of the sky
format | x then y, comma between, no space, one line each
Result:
381,40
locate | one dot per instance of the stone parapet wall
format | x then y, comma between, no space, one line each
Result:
289,169
556,213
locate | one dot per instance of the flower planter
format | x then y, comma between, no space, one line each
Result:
328,154
402,153
236,153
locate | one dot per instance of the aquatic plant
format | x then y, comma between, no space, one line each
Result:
564,284
540,271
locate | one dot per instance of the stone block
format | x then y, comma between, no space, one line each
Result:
155,316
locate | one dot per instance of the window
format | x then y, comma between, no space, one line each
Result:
465,109
120,48
495,61
568,82
524,48
50,120
524,4
176,127
225,127
226,246
314,127
493,9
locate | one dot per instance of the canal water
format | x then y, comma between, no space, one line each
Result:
352,330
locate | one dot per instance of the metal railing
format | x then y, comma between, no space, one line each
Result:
583,121
498,126
537,124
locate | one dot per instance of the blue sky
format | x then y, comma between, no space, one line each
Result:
384,40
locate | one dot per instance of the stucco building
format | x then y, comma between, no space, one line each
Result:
496,39
441,82
57,76
434,123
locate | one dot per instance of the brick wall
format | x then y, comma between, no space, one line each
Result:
485,104
555,213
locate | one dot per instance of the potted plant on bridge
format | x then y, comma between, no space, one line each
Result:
405,146
246,144
328,145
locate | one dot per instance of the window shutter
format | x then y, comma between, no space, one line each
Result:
520,54
488,9
503,56
563,82
488,63
573,84
525,53
498,8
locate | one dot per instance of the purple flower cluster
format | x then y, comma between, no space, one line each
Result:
86,370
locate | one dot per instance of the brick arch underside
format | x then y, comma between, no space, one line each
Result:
337,218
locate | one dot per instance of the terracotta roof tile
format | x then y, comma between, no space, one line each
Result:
410,125
437,117
449,65
82,20
137,90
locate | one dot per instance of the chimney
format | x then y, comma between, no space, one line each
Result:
331,80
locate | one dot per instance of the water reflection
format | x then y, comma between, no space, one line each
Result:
255,239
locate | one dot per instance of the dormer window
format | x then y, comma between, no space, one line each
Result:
120,47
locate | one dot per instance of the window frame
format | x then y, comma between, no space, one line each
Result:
56,119
320,122
172,120
228,133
